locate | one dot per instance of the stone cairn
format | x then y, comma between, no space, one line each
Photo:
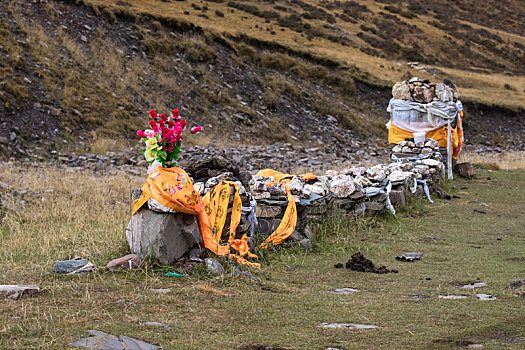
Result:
346,194
423,91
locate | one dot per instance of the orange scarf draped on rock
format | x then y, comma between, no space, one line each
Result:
172,188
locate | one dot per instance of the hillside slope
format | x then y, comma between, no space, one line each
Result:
249,72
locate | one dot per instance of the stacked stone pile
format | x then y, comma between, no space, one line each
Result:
410,149
423,91
346,194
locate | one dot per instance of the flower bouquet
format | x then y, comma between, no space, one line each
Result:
164,139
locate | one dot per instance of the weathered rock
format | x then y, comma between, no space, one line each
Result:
398,198
277,190
127,262
409,256
374,206
342,188
515,284
426,150
101,340
14,292
214,266
159,208
165,236
465,170
401,91
423,94
443,92
73,266
305,244
267,211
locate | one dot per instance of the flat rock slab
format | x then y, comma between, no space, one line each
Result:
485,297
453,297
347,325
161,290
409,256
344,291
101,340
127,262
73,266
155,324
474,285
14,292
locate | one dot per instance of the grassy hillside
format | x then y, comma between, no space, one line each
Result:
302,72
481,46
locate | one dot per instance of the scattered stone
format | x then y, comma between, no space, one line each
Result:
347,325
515,284
156,324
339,266
14,292
475,346
246,274
480,211
161,290
127,262
73,266
359,263
344,291
474,285
214,266
465,170
101,340
122,301
485,297
419,297
305,244
409,257
453,297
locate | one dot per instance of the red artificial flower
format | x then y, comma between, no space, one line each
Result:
152,123
153,114
171,124
183,123
171,148
163,116
141,134
196,129
175,113
161,123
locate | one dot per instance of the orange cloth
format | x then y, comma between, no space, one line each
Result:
172,188
396,135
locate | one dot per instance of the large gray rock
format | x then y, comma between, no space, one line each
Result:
397,197
165,236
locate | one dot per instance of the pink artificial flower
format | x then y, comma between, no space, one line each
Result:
141,134
196,129
149,133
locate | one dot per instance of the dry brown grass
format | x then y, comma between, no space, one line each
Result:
84,214
505,160
488,88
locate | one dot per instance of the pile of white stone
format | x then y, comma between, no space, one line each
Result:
409,148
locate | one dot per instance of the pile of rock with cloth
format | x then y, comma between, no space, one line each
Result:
421,111
234,214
